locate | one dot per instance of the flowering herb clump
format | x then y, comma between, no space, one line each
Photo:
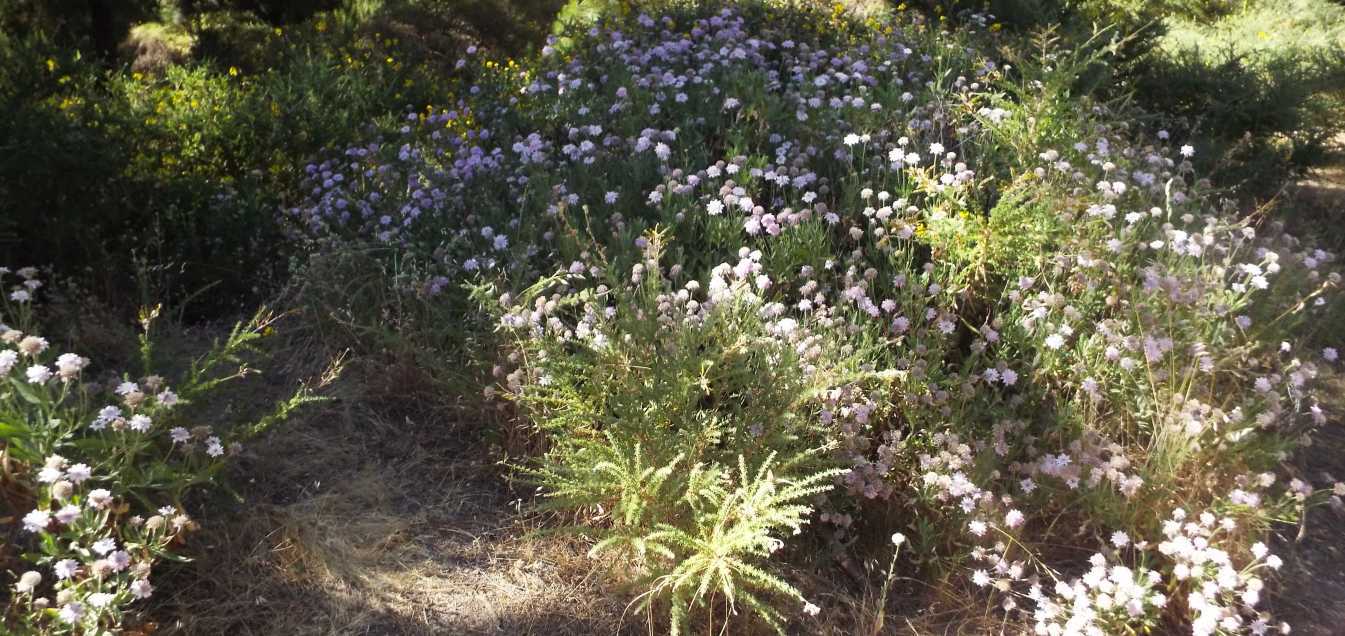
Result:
763,278
99,469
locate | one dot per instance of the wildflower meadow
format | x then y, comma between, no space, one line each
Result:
669,317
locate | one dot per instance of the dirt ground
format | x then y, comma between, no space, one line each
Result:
1312,597
354,523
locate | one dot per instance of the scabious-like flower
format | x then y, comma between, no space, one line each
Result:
78,473
66,568
104,546
38,374
67,514
140,423
106,415
141,589
68,365
72,613
32,346
36,521
100,498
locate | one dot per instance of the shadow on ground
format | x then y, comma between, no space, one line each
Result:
355,524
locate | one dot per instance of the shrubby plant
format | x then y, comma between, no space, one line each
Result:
100,470
756,270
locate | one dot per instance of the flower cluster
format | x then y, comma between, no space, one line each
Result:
86,458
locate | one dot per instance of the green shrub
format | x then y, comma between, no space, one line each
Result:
663,417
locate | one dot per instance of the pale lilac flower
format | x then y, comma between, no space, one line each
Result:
67,514
119,560
66,568
78,473
106,415
72,613
141,589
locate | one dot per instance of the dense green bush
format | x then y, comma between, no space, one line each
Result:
175,179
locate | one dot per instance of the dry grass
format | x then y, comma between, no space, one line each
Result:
356,521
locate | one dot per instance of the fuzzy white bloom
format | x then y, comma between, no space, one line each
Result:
28,582
140,423
101,599
99,498
36,521
37,374
8,358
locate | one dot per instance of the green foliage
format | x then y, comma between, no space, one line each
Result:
183,171
1263,83
646,424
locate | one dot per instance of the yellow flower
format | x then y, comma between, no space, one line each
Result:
233,71
51,65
